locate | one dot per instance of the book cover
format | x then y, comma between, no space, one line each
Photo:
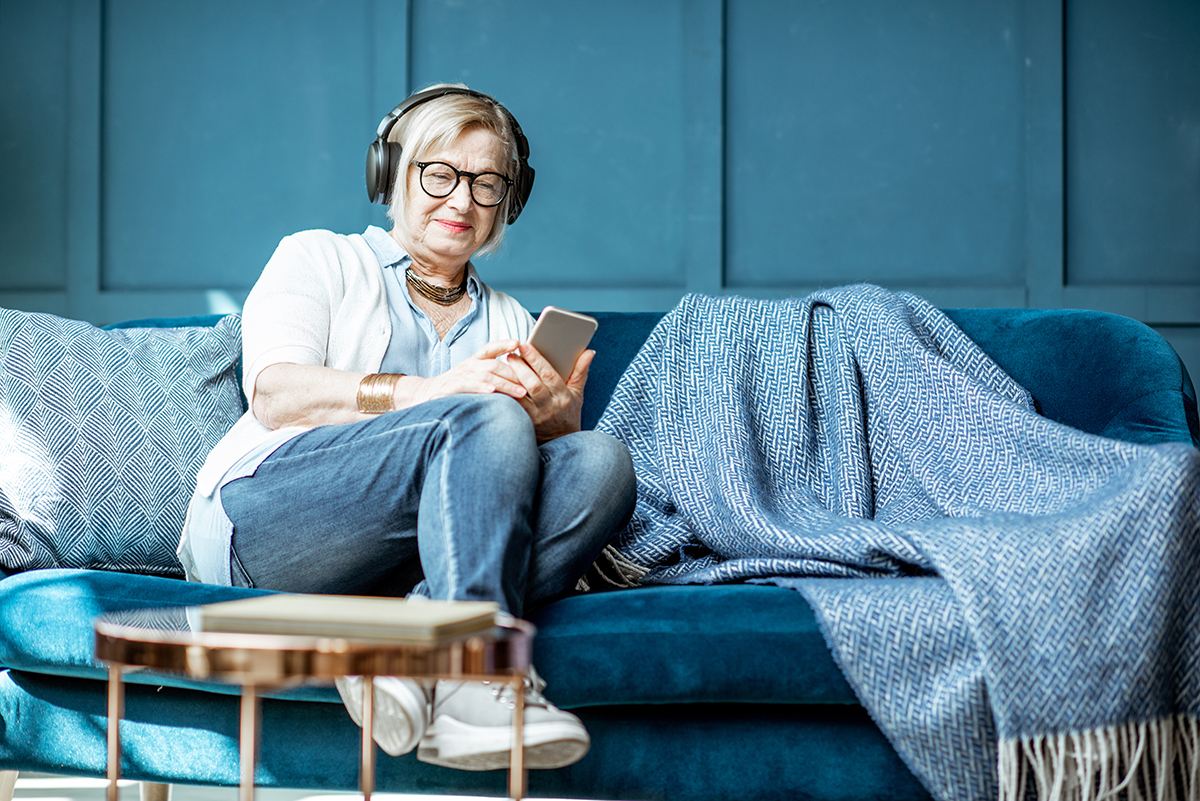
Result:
348,616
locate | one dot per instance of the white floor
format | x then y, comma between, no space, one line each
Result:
43,787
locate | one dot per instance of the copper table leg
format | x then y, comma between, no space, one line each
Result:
116,710
248,739
366,770
516,767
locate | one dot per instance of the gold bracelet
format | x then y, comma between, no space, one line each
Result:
376,391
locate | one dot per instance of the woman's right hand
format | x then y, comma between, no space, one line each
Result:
483,372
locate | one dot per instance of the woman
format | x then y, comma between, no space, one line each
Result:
401,439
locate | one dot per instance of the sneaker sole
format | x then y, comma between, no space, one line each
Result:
393,730
454,744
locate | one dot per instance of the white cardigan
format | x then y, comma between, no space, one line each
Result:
321,301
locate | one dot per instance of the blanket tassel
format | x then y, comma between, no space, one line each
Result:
1150,761
611,571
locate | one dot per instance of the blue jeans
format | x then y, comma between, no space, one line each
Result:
453,498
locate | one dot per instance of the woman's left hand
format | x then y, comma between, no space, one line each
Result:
554,405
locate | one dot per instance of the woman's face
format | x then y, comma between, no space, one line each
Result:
445,231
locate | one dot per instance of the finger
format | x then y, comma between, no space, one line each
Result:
579,375
499,367
475,377
530,379
539,364
501,378
497,347
484,386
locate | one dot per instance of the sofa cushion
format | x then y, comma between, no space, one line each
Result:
618,338
689,753
734,643
654,645
46,623
101,435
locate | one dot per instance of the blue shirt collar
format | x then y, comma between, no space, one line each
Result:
391,255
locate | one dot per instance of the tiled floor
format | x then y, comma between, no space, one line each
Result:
41,787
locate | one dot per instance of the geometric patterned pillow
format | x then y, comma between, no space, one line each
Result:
102,434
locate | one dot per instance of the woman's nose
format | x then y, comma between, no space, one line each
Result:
461,198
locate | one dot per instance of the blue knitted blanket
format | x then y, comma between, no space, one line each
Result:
1014,601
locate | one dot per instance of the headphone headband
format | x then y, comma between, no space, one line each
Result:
383,157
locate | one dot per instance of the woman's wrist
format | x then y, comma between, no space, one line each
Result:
377,393
410,391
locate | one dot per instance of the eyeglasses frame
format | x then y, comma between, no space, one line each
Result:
458,176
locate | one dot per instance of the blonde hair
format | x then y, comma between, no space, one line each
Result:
435,125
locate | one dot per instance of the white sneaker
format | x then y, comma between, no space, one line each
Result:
472,728
400,709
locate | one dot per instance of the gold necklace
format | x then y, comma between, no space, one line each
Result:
441,295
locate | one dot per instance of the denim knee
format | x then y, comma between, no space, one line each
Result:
494,428
598,460
495,411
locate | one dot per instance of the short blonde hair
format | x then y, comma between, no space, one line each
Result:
435,125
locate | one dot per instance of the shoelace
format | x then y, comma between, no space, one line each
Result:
503,692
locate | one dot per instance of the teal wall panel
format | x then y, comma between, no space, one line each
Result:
875,141
981,152
228,124
1133,142
33,143
602,103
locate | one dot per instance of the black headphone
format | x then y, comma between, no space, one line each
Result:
383,157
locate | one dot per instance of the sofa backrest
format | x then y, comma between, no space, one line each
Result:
1097,372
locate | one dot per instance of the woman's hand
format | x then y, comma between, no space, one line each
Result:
481,373
554,406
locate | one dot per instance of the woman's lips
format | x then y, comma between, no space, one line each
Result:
456,227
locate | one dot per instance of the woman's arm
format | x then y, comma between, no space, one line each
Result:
307,395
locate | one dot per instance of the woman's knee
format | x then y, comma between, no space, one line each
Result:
493,430
598,460
493,413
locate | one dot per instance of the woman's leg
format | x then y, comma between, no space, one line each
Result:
587,494
445,488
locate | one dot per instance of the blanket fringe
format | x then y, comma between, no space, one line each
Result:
1157,760
611,571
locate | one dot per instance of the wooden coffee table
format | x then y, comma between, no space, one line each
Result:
164,640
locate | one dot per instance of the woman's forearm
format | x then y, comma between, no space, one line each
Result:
308,395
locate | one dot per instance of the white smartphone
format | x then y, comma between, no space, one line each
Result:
560,336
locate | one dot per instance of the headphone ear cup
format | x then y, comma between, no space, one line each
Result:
521,189
382,158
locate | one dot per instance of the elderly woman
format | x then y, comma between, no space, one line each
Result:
401,438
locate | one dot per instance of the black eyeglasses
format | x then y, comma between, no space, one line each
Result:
439,179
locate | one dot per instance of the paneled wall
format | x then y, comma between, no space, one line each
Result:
981,152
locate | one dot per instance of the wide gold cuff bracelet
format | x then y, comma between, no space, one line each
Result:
375,392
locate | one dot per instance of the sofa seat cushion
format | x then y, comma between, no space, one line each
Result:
737,643
654,645
46,623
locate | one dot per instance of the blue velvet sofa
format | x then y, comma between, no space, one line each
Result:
689,692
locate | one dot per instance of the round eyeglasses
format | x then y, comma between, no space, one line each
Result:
439,179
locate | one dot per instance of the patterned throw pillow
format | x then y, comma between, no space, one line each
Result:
101,436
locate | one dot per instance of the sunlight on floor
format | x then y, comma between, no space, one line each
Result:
40,787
